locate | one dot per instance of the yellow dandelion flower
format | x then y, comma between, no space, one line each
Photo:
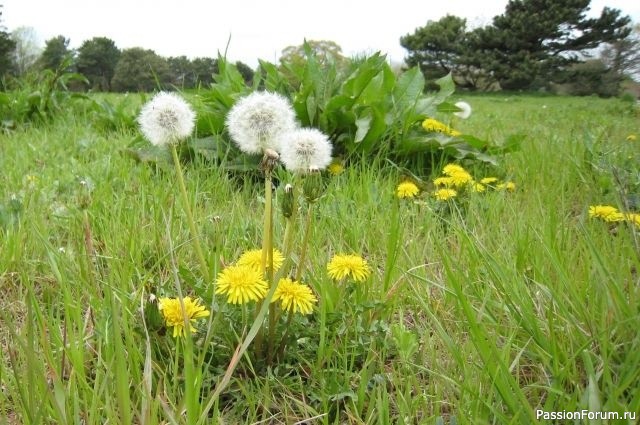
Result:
509,186
632,138
478,187
434,126
294,296
173,317
335,168
461,178
633,218
407,189
241,284
345,265
253,258
606,213
489,180
445,194
443,181
451,169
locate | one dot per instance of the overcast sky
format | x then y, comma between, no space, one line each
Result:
258,29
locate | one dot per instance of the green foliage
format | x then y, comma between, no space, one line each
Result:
591,77
140,70
526,47
97,60
38,97
7,47
55,52
366,110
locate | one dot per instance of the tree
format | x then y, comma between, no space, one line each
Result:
7,47
97,60
325,51
535,39
27,50
56,50
623,56
182,74
203,69
141,70
246,71
436,47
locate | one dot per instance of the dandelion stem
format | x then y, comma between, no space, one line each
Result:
305,242
283,341
187,209
267,245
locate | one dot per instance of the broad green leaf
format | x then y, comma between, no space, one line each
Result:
408,89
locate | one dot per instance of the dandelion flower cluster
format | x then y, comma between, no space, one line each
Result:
253,259
508,186
241,284
434,126
407,189
445,194
489,180
465,110
257,121
305,149
166,119
294,296
172,313
342,266
606,212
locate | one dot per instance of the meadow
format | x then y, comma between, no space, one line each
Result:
483,312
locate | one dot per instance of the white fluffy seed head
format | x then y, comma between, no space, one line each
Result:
465,110
167,118
257,121
305,149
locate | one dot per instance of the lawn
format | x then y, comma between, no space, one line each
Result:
483,310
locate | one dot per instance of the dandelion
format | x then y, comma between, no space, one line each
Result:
172,313
445,194
508,186
451,169
257,121
632,218
253,259
241,284
489,180
461,178
294,296
166,119
434,126
305,149
443,181
478,187
632,138
335,168
344,265
407,189
465,110
605,212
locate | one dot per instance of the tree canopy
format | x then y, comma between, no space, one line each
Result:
97,60
533,41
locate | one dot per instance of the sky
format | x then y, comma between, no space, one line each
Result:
252,29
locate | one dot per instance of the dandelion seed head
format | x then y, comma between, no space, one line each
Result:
305,149
465,110
257,121
166,119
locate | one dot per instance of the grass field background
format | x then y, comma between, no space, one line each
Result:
515,303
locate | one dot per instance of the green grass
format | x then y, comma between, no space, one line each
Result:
515,303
